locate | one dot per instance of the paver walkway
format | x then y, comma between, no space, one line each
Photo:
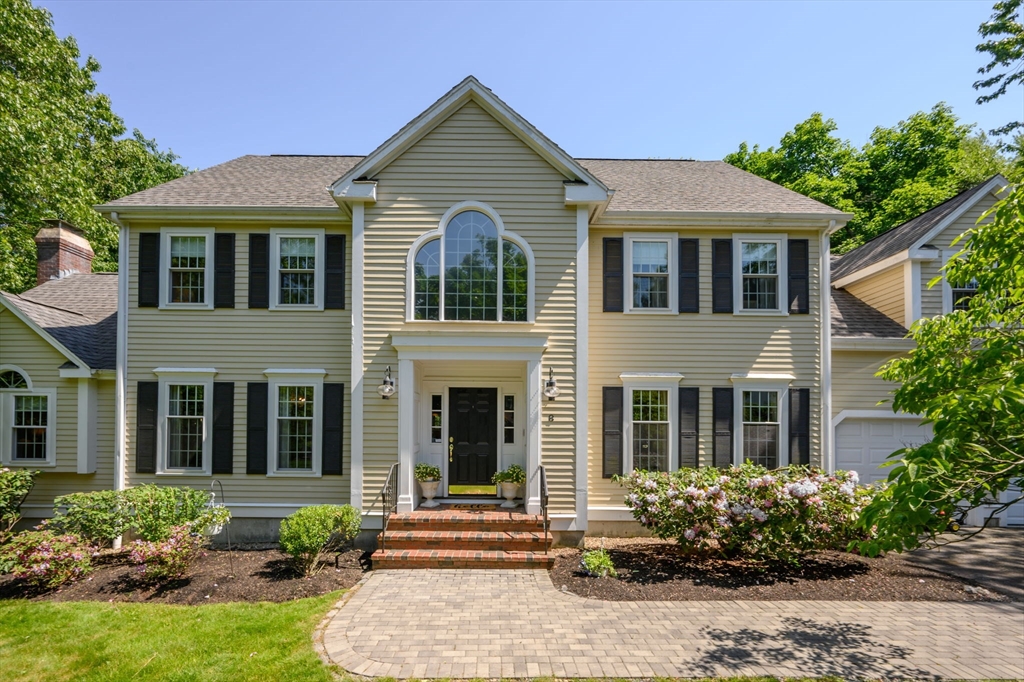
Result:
514,623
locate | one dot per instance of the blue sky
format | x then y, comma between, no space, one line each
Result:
215,80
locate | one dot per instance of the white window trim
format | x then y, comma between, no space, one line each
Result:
438,233
673,289
7,423
737,269
185,376
652,381
779,383
275,267
947,290
165,266
295,377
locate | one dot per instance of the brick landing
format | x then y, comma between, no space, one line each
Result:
464,624
450,538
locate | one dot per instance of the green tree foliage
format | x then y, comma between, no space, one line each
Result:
899,173
1005,47
966,376
62,148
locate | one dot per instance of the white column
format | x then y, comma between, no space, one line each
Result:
86,426
406,418
582,364
356,435
533,436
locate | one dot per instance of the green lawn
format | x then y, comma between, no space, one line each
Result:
99,641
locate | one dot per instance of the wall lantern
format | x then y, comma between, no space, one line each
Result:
551,386
387,387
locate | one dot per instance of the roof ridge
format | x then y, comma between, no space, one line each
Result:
611,158
52,307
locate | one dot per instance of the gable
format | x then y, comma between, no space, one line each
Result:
943,241
25,348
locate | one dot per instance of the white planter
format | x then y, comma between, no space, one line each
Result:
509,491
429,490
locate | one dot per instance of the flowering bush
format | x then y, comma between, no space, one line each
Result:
47,559
14,487
167,559
747,510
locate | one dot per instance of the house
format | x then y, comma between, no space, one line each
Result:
471,296
879,290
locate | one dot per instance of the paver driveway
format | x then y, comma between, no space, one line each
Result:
514,623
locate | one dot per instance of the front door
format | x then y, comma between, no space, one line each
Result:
472,440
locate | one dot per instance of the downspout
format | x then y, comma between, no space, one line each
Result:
827,456
122,359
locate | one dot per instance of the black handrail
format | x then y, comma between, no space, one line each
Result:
389,500
544,502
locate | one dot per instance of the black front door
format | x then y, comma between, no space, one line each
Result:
472,436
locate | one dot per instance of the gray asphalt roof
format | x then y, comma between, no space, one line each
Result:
80,311
640,185
853,318
901,237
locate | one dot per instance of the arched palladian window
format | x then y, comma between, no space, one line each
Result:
10,378
471,273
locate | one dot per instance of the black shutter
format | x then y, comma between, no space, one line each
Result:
223,426
689,275
146,398
259,270
800,425
149,270
333,416
612,420
721,275
689,410
224,271
721,399
799,277
256,427
334,272
613,282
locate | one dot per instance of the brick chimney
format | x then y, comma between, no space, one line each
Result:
61,250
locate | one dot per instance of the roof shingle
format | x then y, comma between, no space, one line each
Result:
79,311
853,318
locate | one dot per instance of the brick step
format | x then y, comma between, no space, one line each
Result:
493,522
454,558
508,541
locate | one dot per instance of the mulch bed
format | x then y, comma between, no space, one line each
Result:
657,570
257,575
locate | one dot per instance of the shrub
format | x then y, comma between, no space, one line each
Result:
15,485
47,559
156,509
170,558
597,564
313,530
514,474
98,517
748,510
427,472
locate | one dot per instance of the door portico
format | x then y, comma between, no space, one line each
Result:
507,364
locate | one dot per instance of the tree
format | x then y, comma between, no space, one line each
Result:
61,150
1006,49
966,377
899,173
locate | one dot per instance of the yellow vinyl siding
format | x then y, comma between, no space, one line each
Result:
470,156
240,344
931,297
965,222
24,348
884,292
706,348
854,384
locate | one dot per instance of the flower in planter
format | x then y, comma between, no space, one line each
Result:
424,472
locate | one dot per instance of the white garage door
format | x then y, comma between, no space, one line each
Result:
1014,515
863,445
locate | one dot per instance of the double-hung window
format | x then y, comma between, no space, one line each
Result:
761,271
27,421
297,261
295,422
651,429
760,436
185,421
187,265
963,293
651,272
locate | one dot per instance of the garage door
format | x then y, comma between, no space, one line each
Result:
863,445
1014,516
